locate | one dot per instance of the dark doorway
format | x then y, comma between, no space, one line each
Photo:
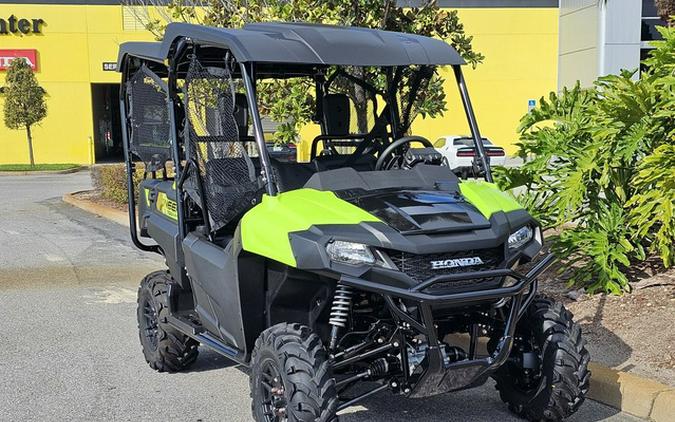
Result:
107,137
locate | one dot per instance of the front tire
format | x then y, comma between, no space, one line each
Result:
556,387
165,348
291,379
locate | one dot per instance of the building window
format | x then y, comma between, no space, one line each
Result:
649,32
650,20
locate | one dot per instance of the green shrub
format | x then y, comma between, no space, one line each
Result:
110,181
600,164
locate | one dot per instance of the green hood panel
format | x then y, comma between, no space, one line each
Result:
266,227
488,198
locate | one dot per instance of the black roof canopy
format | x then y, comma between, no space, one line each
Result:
302,43
144,50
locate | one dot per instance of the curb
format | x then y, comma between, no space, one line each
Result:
42,172
641,397
119,217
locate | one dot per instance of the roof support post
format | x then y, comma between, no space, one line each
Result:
268,176
483,159
171,99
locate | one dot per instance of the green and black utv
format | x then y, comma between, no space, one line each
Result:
371,267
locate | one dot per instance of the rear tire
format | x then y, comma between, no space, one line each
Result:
558,387
165,348
291,377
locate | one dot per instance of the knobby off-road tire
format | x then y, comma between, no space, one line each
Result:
165,348
292,360
563,374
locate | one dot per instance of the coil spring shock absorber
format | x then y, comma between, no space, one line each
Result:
339,312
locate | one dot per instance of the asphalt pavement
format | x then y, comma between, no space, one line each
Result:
70,349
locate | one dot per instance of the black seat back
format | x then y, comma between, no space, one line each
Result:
241,113
336,115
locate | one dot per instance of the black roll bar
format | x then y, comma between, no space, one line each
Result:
258,134
128,160
179,171
483,159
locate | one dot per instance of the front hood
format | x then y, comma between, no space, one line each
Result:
419,211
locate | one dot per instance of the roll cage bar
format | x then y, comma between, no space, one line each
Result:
170,65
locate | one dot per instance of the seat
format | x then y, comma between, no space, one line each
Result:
290,176
332,162
241,114
336,115
216,117
335,123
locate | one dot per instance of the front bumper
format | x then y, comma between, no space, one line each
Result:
438,377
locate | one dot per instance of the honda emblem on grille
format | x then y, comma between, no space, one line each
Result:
457,262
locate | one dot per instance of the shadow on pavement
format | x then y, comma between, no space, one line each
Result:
208,360
480,404
595,333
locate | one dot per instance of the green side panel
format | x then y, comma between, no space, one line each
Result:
266,227
488,198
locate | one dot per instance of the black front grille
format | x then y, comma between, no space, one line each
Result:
422,267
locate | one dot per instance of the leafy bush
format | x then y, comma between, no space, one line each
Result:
110,181
600,165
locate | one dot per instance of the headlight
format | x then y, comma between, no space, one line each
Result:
350,253
520,237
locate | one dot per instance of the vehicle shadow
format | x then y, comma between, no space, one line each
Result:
208,360
603,344
479,404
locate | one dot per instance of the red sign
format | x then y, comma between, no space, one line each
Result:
6,57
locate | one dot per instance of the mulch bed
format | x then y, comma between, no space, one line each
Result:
95,197
634,332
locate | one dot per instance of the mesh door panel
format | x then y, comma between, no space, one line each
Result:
149,119
227,172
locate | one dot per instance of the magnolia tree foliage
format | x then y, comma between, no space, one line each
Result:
665,8
600,165
291,102
24,100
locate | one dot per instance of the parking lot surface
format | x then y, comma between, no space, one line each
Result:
70,349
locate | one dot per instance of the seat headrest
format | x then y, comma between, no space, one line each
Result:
241,113
336,114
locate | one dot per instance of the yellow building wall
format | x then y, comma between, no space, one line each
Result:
520,46
521,63
74,43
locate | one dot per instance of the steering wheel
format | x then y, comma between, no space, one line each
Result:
383,158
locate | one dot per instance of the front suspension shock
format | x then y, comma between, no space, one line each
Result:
339,312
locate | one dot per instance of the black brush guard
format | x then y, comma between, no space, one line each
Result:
437,377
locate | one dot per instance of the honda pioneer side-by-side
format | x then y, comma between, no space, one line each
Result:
370,268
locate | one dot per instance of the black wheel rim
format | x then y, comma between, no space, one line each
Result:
149,324
273,392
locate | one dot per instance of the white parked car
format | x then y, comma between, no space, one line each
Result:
458,152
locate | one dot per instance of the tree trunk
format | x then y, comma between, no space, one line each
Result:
360,103
30,146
